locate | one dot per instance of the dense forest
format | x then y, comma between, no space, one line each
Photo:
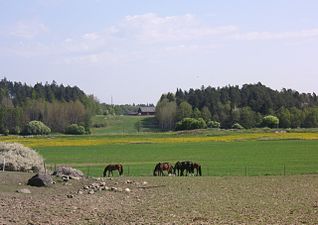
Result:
57,106
245,107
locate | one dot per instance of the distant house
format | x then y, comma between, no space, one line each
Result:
147,111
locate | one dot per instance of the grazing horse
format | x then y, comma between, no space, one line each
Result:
109,168
177,168
197,167
183,168
160,167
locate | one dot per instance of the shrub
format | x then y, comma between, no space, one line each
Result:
6,132
270,121
75,129
237,126
213,124
36,128
100,124
20,158
191,124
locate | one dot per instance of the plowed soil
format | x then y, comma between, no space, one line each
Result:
163,200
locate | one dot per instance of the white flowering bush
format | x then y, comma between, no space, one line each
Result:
20,158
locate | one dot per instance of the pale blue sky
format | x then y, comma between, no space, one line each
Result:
137,50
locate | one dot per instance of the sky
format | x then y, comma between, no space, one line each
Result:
134,51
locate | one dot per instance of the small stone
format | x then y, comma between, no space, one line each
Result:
65,178
69,196
127,190
80,192
24,191
128,182
106,188
119,189
75,178
145,183
95,185
113,189
102,184
86,187
91,192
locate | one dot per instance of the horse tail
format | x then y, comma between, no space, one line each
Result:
105,171
121,170
199,169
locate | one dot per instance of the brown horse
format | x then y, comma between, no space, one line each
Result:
197,167
160,167
183,168
109,168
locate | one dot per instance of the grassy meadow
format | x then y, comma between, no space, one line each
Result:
220,152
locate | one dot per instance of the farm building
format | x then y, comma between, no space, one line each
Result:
146,111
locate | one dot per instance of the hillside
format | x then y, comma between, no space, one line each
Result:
123,124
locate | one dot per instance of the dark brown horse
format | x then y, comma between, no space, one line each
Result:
109,168
197,167
183,168
160,167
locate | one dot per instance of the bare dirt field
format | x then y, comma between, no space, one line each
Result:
162,200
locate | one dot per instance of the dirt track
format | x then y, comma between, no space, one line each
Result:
167,200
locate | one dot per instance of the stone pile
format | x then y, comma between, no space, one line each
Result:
67,173
100,186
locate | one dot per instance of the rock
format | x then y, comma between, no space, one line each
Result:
95,185
113,189
65,178
85,187
128,182
80,192
24,191
40,180
106,188
91,192
127,190
102,183
145,183
68,171
70,196
119,189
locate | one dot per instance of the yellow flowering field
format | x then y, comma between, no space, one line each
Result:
59,141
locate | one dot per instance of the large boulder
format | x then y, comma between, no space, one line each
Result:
62,171
41,180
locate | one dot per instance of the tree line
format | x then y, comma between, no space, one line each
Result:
234,106
57,106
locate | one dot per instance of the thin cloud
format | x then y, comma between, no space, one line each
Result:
28,29
260,36
151,27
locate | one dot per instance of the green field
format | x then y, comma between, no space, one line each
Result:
124,124
220,152
241,158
